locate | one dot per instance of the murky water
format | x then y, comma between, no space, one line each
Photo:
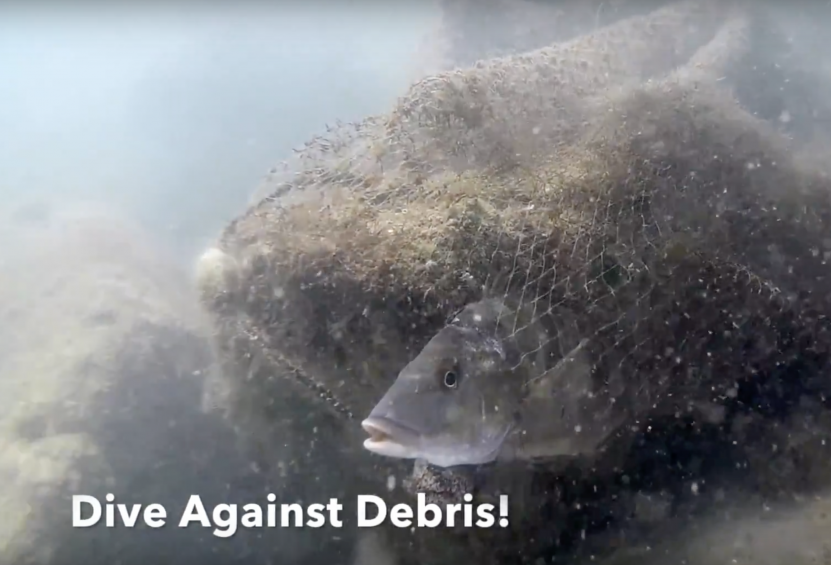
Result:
129,137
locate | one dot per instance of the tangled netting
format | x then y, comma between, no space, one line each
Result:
633,188
612,184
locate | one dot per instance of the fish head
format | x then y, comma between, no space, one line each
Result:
453,404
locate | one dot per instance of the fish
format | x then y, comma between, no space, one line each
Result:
489,386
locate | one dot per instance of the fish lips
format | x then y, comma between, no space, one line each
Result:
388,437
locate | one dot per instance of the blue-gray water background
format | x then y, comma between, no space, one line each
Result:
177,111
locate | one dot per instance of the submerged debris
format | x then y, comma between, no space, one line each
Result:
632,203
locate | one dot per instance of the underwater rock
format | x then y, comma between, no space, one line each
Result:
103,363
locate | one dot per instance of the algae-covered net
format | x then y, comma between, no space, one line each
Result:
499,107
613,185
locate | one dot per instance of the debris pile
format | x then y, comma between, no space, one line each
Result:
620,188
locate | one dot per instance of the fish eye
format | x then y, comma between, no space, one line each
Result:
450,379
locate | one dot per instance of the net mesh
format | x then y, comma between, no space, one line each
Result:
610,185
483,29
618,187
508,107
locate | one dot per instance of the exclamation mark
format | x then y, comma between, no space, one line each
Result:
503,510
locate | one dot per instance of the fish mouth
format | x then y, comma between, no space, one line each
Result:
386,431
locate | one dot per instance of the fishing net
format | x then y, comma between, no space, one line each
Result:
476,30
349,264
614,186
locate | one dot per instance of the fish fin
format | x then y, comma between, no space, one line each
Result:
564,413
547,433
574,371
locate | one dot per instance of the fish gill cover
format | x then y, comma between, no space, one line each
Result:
613,188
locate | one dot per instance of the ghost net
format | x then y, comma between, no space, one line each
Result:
620,194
